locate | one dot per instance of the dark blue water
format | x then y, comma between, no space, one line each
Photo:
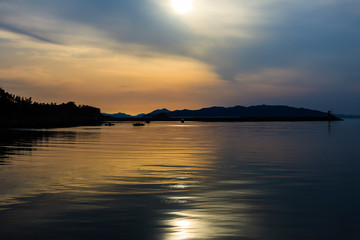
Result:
167,180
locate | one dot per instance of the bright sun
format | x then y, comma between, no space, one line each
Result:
182,6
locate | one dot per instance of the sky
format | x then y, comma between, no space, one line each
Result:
135,56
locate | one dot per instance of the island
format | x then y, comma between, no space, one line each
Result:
231,114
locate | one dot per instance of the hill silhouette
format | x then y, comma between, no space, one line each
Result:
17,111
252,111
117,115
238,113
141,115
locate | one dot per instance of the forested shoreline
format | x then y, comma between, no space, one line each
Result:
18,111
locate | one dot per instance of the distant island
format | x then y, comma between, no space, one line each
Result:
17,111
236,113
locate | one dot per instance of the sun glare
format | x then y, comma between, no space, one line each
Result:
182,6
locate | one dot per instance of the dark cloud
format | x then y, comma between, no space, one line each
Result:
25,32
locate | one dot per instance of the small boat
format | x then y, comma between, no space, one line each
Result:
109,124
138,124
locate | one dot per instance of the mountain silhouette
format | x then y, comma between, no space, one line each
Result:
252,111
158,113
239,113
118,115
141,115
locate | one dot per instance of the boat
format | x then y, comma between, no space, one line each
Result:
109,124
138,124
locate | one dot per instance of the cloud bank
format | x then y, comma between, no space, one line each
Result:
245,52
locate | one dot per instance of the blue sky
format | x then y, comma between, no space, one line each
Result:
134,56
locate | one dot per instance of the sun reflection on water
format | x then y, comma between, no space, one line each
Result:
186,227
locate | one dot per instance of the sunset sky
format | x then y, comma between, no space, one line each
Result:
135,56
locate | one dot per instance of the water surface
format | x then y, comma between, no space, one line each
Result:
167,180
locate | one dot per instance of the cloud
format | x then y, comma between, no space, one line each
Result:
312,46
24,32
99,77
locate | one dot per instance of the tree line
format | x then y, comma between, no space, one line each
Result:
15,106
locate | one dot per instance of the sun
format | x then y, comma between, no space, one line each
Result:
182,6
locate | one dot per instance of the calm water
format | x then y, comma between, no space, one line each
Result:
172,181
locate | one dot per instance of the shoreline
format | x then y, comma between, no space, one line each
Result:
76,123
47,124
231,119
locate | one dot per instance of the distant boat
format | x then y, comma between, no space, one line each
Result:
109,124
138,124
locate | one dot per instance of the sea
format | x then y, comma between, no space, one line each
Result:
174,181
